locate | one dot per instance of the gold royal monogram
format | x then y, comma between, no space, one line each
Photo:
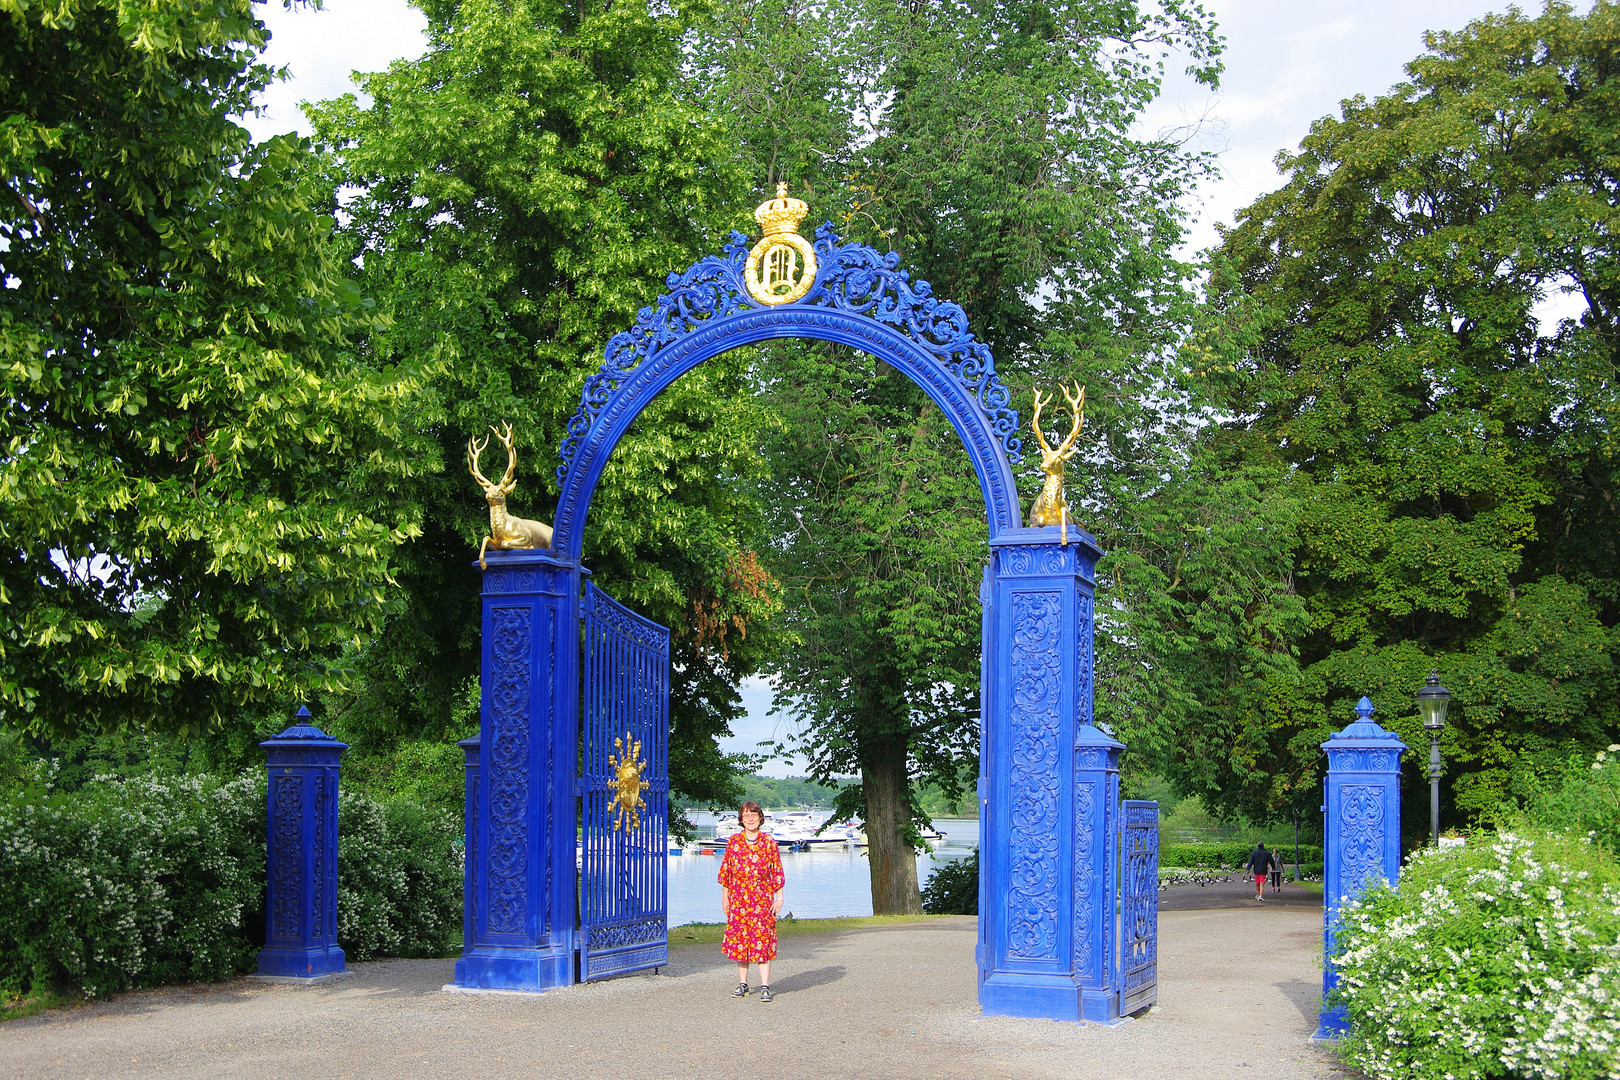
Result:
782,266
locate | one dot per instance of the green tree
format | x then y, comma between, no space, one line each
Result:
990,144
1452,461
519,192
199,467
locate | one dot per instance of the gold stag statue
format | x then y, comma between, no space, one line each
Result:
1051,507
627,784
506,533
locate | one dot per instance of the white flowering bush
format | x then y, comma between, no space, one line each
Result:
399,879
1497,960
144,881
130,882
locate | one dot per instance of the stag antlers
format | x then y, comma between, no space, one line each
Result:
1051,507
506,533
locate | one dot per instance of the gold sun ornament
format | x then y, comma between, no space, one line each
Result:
627,785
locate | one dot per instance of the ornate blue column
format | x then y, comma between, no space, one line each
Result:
300,914
1049,800
1363,830
521,852
472,802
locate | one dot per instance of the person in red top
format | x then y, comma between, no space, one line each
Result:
751,875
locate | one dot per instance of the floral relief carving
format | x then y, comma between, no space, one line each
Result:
1361,837
1085,876
1032,901
508,782
289,853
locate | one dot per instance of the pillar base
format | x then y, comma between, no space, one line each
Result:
1047,997
1331,1026
491,967
301,963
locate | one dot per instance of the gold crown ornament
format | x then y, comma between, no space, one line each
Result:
782,266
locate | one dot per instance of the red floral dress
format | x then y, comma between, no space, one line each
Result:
750,874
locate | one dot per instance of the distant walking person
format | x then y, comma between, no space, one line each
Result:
1276,872
751,875
1260,866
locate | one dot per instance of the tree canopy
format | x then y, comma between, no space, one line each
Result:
1447,456
200,462
518,193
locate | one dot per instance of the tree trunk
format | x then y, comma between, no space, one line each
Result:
893,861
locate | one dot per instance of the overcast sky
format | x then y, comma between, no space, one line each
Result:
1288,62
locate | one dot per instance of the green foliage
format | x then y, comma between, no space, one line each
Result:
519,192
990,145
399,878
1492,961
430,774
1584,799
125,882
1226,856
954,888
1448,471
130,882
199,467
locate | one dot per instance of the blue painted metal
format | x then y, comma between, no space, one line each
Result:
1139,907
1363,831
472,796
1050,794
300,924
623,884
523,919
860,299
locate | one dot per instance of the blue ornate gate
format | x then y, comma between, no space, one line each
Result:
1139,907
624,790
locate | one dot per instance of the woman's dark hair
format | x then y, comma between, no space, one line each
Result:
755,807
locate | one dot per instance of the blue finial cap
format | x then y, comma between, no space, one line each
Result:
1364,726
303,733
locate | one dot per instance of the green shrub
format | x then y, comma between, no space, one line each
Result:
1494,960
954,888
399,879
1584,800
1227,855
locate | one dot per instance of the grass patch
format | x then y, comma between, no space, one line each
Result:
1304,886
711,933
15,1007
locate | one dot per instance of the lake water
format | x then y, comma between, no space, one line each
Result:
828,881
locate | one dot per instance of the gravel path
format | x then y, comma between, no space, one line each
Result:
1238,986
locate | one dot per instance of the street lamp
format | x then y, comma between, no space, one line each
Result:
1432,700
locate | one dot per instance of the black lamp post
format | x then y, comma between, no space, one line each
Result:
1432,701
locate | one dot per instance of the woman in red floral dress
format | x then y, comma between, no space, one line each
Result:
751,875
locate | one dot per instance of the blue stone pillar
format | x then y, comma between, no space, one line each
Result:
1362,842
300,915
523,891
1050,795
471,815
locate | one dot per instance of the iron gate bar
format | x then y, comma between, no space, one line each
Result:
1139,906
623,886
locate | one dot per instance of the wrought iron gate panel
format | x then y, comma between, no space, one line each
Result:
624,729
1139,906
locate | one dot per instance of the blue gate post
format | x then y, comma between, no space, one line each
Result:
1049,803
523,867
1363,831
300,915
472,804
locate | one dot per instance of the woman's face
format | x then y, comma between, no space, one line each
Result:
750,820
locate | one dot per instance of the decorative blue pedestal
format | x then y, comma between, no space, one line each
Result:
519,912
301,861
474,808
1049,804
1363,832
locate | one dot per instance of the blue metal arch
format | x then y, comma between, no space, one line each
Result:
860,299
